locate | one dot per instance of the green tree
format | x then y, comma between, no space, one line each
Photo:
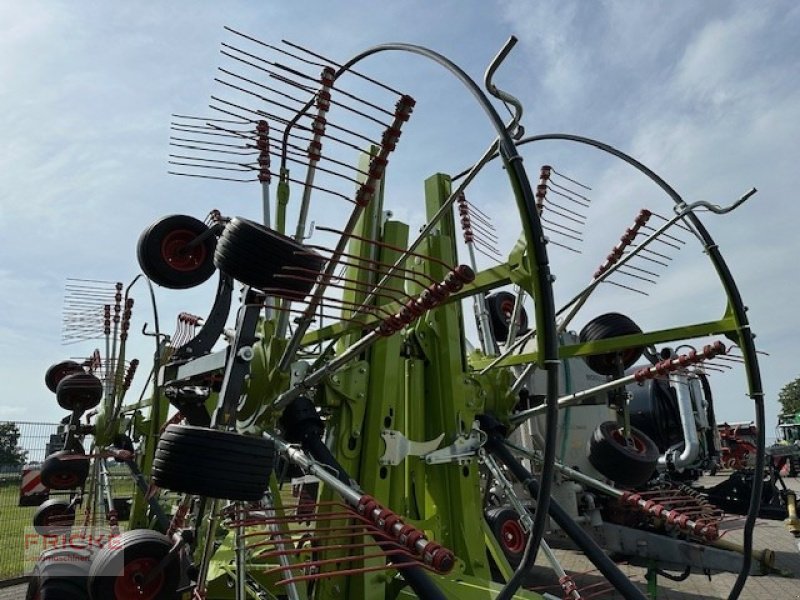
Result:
789,397
12,456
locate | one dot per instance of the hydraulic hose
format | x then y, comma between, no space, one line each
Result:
744,334
586,544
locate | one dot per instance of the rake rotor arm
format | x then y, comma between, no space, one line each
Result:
547,341
439,558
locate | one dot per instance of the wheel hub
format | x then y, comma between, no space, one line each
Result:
176,251
130,584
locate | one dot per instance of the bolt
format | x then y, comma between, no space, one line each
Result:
245,353
362,370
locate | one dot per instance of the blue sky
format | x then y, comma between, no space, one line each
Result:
707,94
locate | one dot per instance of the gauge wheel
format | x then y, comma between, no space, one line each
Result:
117,569
64,470
61,573
212,463
79,392
58,371
507,529
265,259
54,517
607,326
629,463
500,306
165,258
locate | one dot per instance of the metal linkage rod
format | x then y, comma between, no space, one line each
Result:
662,368
432,296
434,555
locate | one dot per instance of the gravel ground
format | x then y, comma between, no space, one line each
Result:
768,535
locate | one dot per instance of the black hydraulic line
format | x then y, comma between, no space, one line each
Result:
744,339
575,532
542,282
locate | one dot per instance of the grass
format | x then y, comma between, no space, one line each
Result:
15,519
12,529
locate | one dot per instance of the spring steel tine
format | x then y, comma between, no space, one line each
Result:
261,85
336,285
211,130
210,123
385,245
400,296
248,165
559,229
338,65
183,164
324,157
174,144
196,118
259,113
586,187
648,258
654,253
627,287
560,245
244,146
254,165
468,227
479,214
336,316
574,213
568,193
666,235
215,177
340,302
488,245
338,89
359,259
289,108
496,256
677,243
677,223
265,115
558,213
299,86
636,276
486,231
645,271
572,230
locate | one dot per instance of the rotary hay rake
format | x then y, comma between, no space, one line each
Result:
348,377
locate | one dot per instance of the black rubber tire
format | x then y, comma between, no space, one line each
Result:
161,255
112,572
79,392
607,326
625,465
55,373
54,517
216,464
61,573
500,306
64,470
260,257
505,525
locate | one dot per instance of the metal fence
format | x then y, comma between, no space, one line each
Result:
23,447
